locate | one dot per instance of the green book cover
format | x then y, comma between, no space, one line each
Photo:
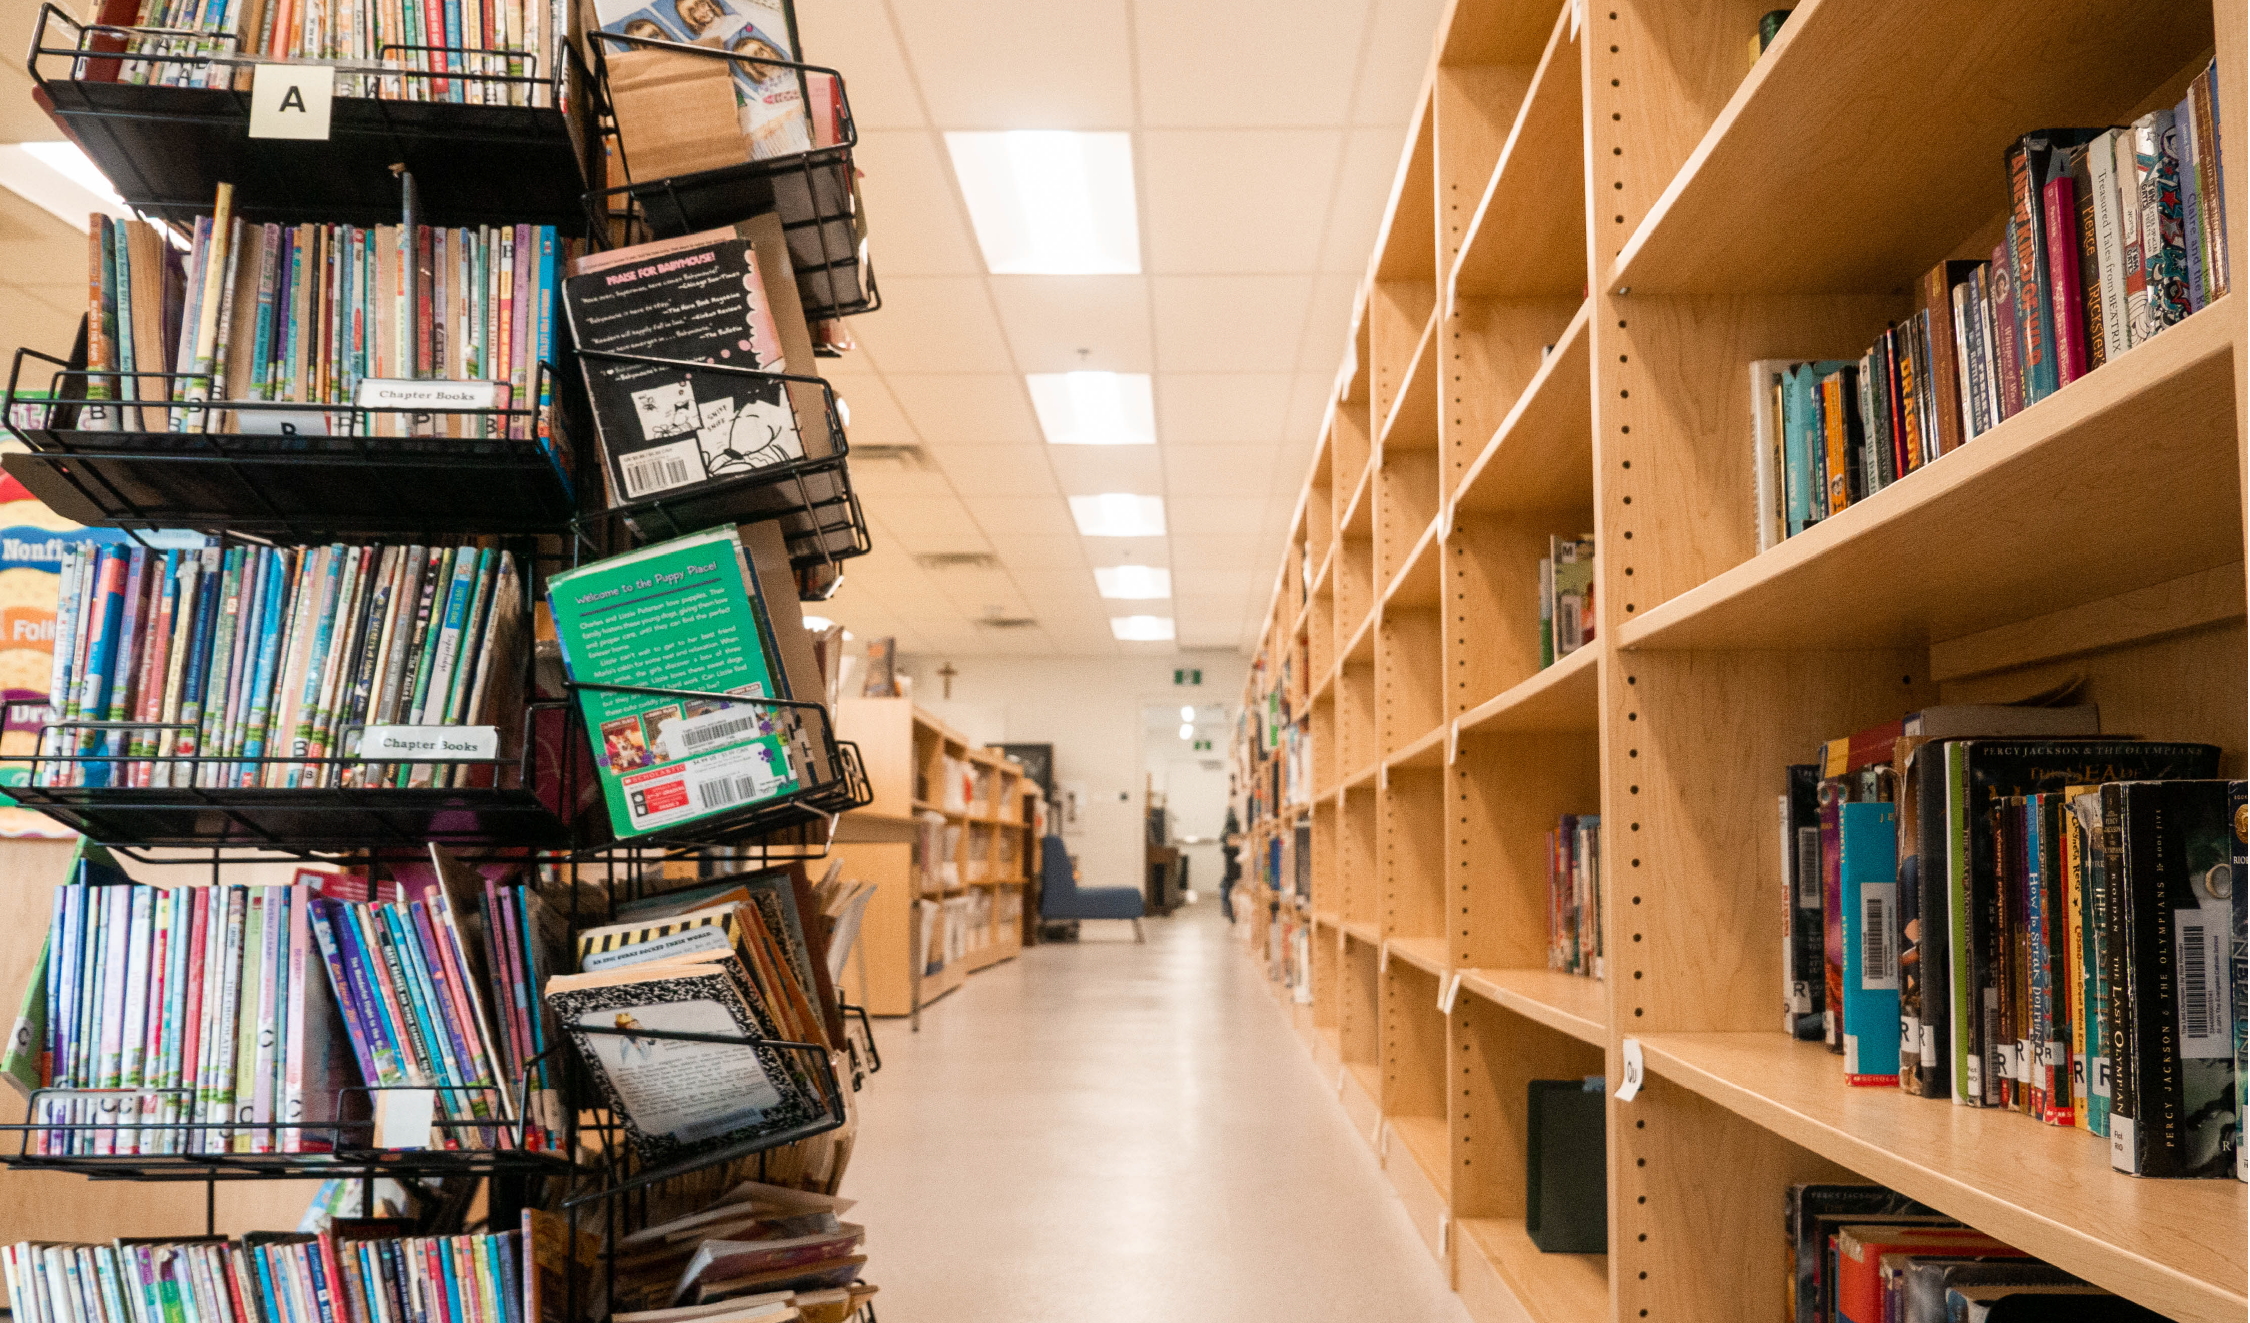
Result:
676,615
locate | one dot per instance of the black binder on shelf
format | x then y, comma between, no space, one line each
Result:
1566,1167
166,148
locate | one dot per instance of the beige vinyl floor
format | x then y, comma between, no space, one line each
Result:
1105,1132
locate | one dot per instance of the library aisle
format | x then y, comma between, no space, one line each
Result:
1110,1132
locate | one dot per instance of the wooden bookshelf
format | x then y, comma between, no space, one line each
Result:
907,753
1594,226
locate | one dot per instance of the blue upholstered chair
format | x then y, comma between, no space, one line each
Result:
1061,899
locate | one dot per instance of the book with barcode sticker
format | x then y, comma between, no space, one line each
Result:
1804,989
678,615
1868,849
2177,856
696,299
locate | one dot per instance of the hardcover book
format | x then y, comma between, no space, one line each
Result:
1868,849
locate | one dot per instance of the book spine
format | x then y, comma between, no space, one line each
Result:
2005,332
2209,174
2163,250
2079,939
1835,440
2035,310
2060,229
2191,204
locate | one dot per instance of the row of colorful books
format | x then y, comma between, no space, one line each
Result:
1574,895
2114,234
261,654
1566,597
319,315
230,1019
268,1278
1865,1254
483,44
2000,906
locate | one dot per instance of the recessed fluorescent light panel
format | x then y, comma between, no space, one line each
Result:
1050,203
1118,514
57,177
1141,629
1094,408
1137,582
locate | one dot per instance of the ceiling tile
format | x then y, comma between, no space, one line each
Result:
1074,584
1250,62
1026,551
934,324
971,409
907,174
858,40
876,419
1191,552
996,68
1204,516
1213,196
1033,516
1241,581
1328,320
1223,471
1020,470
1221,408
1126,551
1363,189
1393,59
1049,319
1091,470
1309,395
1229,323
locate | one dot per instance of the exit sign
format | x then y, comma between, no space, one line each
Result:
1183,676
1202,746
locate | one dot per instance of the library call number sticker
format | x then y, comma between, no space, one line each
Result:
664,795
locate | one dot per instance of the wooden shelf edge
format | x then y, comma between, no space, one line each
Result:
1560,39
1355,505
2057,1227
1494,711
1573,1016
1424,953
2209,333
1425,349
1362,639
1545,1288
1419,1136
1366,934
1364,778
1426,750
1424,545
1573,340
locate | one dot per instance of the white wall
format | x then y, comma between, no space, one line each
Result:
1090,709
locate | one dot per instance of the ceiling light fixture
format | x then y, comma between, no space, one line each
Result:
1047,202
1118,514
818,622
1094,408
1141,629
1187,714
57,177
1135,582
1187,732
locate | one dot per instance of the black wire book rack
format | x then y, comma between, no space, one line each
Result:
280,469
814,193
494,137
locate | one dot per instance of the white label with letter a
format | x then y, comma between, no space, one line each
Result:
291,100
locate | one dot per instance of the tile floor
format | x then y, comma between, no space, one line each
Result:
1116,1133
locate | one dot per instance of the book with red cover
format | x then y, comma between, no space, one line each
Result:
2059,197
1859,1260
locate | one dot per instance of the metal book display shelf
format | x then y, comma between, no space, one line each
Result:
491,145
488,137
814,192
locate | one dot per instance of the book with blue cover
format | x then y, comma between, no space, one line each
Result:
1868,835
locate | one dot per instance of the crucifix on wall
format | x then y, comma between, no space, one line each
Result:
946,673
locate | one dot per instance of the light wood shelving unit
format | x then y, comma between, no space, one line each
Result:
906,752
1601,215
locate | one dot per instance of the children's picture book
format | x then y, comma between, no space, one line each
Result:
770,97
677,615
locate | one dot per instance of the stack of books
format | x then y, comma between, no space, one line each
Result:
1574,895
733,958
1566,597
2041,917
756,1248
244,657
1865,1254
2114,235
